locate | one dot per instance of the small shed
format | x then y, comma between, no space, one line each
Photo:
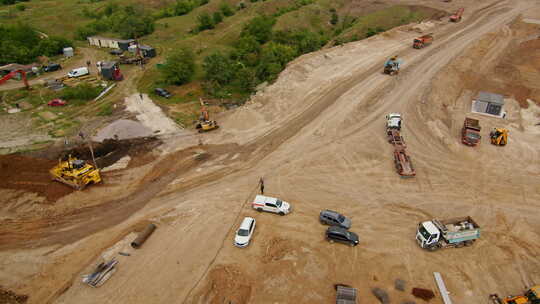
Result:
112,43
148,51
488,103
110,70
68,52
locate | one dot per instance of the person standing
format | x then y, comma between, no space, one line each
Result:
261,183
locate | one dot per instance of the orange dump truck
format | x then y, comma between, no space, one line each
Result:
423,41
457,16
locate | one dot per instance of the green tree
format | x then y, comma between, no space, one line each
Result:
183,7
274,57
179,67
205,22
217,17
335,18
259,27
226,9
219,68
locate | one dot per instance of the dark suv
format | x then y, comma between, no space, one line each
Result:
163,93
342,235
332,218
51,67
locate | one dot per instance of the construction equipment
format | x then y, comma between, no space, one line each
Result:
458,232
75,173
345,294
531,296
13,74
470,133
402,160
457,16
499,136
392,65
423,41
205,124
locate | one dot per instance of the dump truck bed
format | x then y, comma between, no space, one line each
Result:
471,123
458,230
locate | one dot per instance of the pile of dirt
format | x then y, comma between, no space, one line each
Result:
31,174
226,284
9,297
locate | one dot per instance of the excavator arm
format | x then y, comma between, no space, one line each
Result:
12,74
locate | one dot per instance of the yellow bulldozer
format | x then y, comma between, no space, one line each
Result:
499,136
75,173
531,296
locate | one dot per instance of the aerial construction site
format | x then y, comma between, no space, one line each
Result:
419,147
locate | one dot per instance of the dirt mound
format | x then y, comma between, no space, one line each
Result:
9,297
31,174
226,284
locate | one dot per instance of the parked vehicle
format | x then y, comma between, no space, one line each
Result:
51,67
457,232
332,218
244,233
470,133
78,72
116,52
271,204
162,92
341,235
456,17
56,102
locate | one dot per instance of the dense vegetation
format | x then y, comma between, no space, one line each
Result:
22,44
128,22
8,2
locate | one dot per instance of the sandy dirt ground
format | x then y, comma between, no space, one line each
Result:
317,137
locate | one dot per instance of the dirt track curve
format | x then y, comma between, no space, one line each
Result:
317,137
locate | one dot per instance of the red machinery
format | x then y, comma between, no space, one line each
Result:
423,41
12,74
457,16
402,161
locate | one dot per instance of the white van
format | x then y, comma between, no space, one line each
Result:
271,204
78,72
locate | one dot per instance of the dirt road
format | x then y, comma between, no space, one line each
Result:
317,137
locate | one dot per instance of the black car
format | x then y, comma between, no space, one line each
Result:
162,92
342,235
116,52
332,218
51,67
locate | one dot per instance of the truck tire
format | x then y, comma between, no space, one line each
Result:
281,213
460,244
259,209
468,243
331,241
434,247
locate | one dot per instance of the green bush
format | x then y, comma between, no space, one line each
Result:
105,110
179,67
219,68
20,7
205,22
335,18
259,27
372,32
226,9
82,92
183,7
217,17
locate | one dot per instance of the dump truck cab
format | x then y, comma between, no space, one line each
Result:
392,66
393,121
427,234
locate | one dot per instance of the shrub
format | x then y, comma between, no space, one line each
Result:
241,5
20,7
335,18
217,17
179,67
205,22
219,68
259,27
183,7
226,9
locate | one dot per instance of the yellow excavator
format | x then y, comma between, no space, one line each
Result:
531,296
499,136
75,173
205,124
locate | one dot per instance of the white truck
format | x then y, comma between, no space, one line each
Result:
458,232
271,204
78,72
393,121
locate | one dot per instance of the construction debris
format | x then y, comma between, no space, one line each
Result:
137,243
101,274
345,294
424,294
399,284
442,288
381,295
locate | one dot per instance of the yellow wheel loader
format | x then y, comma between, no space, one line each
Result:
531,296
75,173
499,136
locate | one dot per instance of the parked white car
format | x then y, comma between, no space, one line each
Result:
271,204
78,72
244,233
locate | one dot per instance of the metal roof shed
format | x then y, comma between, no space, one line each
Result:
488,103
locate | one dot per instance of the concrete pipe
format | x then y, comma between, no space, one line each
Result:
137,243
